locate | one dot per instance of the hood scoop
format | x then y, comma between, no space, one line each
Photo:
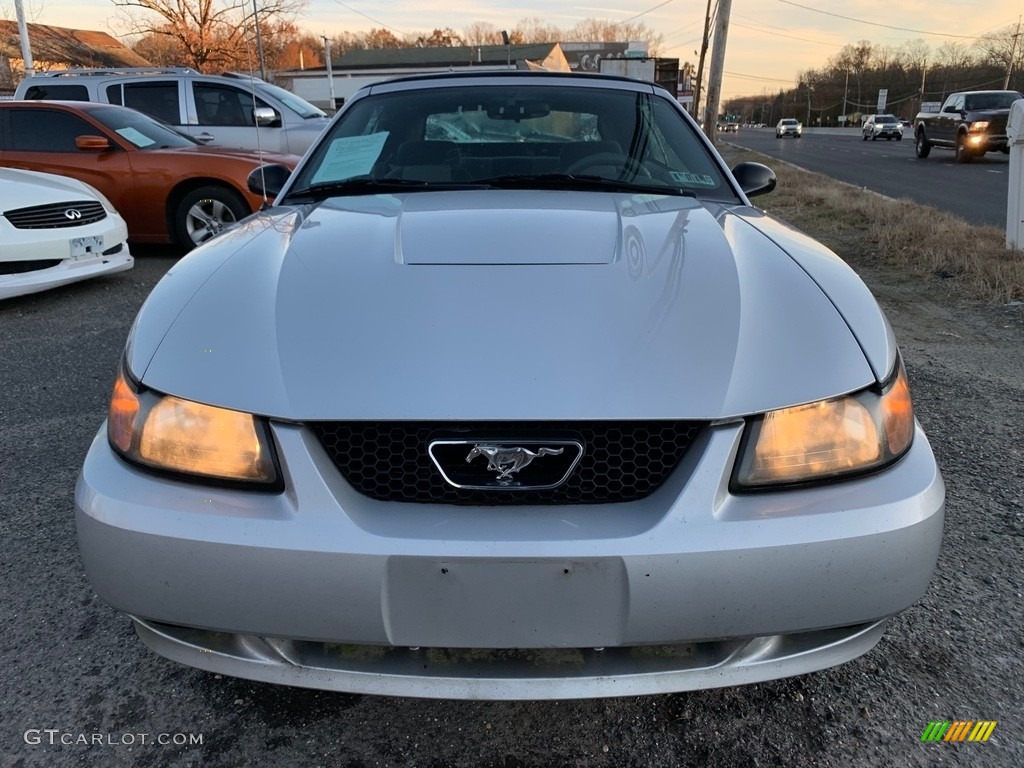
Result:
508,228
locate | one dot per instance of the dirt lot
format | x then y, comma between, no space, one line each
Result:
69,662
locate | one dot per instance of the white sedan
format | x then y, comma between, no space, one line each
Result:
54,231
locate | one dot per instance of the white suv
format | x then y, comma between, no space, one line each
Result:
788,126
882,127
224,111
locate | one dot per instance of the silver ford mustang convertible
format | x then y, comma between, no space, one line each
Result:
512,394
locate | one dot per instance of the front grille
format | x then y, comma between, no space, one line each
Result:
622,460
56,215
21,267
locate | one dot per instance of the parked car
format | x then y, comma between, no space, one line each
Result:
235,110
882,127
521,416
167,186
55,231
788,126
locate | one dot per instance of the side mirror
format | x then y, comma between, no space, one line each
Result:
754,179
266,117
268,180
92,143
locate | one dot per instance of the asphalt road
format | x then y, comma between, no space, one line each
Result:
975,191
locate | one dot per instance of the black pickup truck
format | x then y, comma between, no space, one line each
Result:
970,123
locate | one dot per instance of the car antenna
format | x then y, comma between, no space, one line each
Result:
256,127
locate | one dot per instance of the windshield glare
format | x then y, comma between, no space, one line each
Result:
141,130
475,133
296,104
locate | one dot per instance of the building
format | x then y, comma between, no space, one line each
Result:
364,67
59,48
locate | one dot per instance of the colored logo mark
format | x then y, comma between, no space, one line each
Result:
959,730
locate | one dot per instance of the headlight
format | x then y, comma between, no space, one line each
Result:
827,439
180,436
981,125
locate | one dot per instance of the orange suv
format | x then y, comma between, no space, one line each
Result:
167,186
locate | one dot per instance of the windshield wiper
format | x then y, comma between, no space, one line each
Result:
581,182
361,186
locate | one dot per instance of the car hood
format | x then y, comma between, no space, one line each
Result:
508,305
24,189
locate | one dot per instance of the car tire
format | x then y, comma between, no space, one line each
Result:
921,145
900,137
961,152
205,212
864,136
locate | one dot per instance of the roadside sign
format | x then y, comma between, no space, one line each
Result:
883,95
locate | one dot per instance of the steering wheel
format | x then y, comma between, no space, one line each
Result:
626,165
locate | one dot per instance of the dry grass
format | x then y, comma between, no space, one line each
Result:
859,224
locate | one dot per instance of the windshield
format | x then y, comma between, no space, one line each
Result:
141,130
296,104
533,136
788,121
885,119
991,100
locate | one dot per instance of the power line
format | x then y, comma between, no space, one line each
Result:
375,21
791,37
759,77
876,24
644,13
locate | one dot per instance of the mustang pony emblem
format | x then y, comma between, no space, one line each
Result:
507,461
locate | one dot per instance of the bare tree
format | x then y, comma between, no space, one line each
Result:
482,33
439,38
211,33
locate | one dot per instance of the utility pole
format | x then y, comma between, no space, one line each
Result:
330,69
924,72
259,41
26,45
846,91
810,88
717,68
1013,52
700,64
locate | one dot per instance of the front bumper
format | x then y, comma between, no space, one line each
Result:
318,586
67,271
988,142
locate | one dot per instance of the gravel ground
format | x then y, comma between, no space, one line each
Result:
68,662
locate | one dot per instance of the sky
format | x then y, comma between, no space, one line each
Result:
769,41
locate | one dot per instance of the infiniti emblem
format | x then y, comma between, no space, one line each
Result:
507,460
72,214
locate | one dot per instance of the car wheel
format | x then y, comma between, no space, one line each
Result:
205,212
864,136
922,145
962,153
900,137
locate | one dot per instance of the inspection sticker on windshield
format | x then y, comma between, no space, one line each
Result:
693,179
136,137
350,156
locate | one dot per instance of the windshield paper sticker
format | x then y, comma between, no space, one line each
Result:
350,156
693,179
138,138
